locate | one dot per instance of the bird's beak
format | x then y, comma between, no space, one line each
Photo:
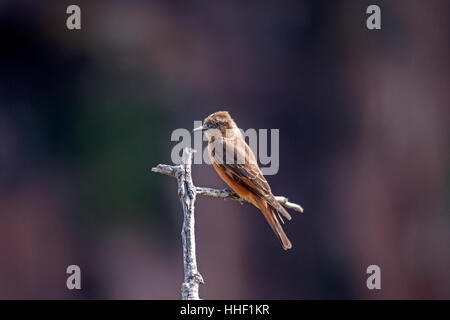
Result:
201,128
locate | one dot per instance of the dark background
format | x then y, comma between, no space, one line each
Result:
364,147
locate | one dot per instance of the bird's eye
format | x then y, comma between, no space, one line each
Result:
217,123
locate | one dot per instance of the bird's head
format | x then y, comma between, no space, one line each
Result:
220,122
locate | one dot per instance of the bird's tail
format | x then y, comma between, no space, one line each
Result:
272,219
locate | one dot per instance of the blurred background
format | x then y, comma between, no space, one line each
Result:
364,147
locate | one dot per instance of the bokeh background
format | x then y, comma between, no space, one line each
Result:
364,147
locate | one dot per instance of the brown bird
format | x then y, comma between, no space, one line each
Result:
236,164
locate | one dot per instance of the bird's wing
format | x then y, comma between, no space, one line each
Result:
245,169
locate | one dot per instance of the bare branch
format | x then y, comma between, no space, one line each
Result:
227,193
187,193
285,203
170,171
218,193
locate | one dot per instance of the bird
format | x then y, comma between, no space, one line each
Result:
235,163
